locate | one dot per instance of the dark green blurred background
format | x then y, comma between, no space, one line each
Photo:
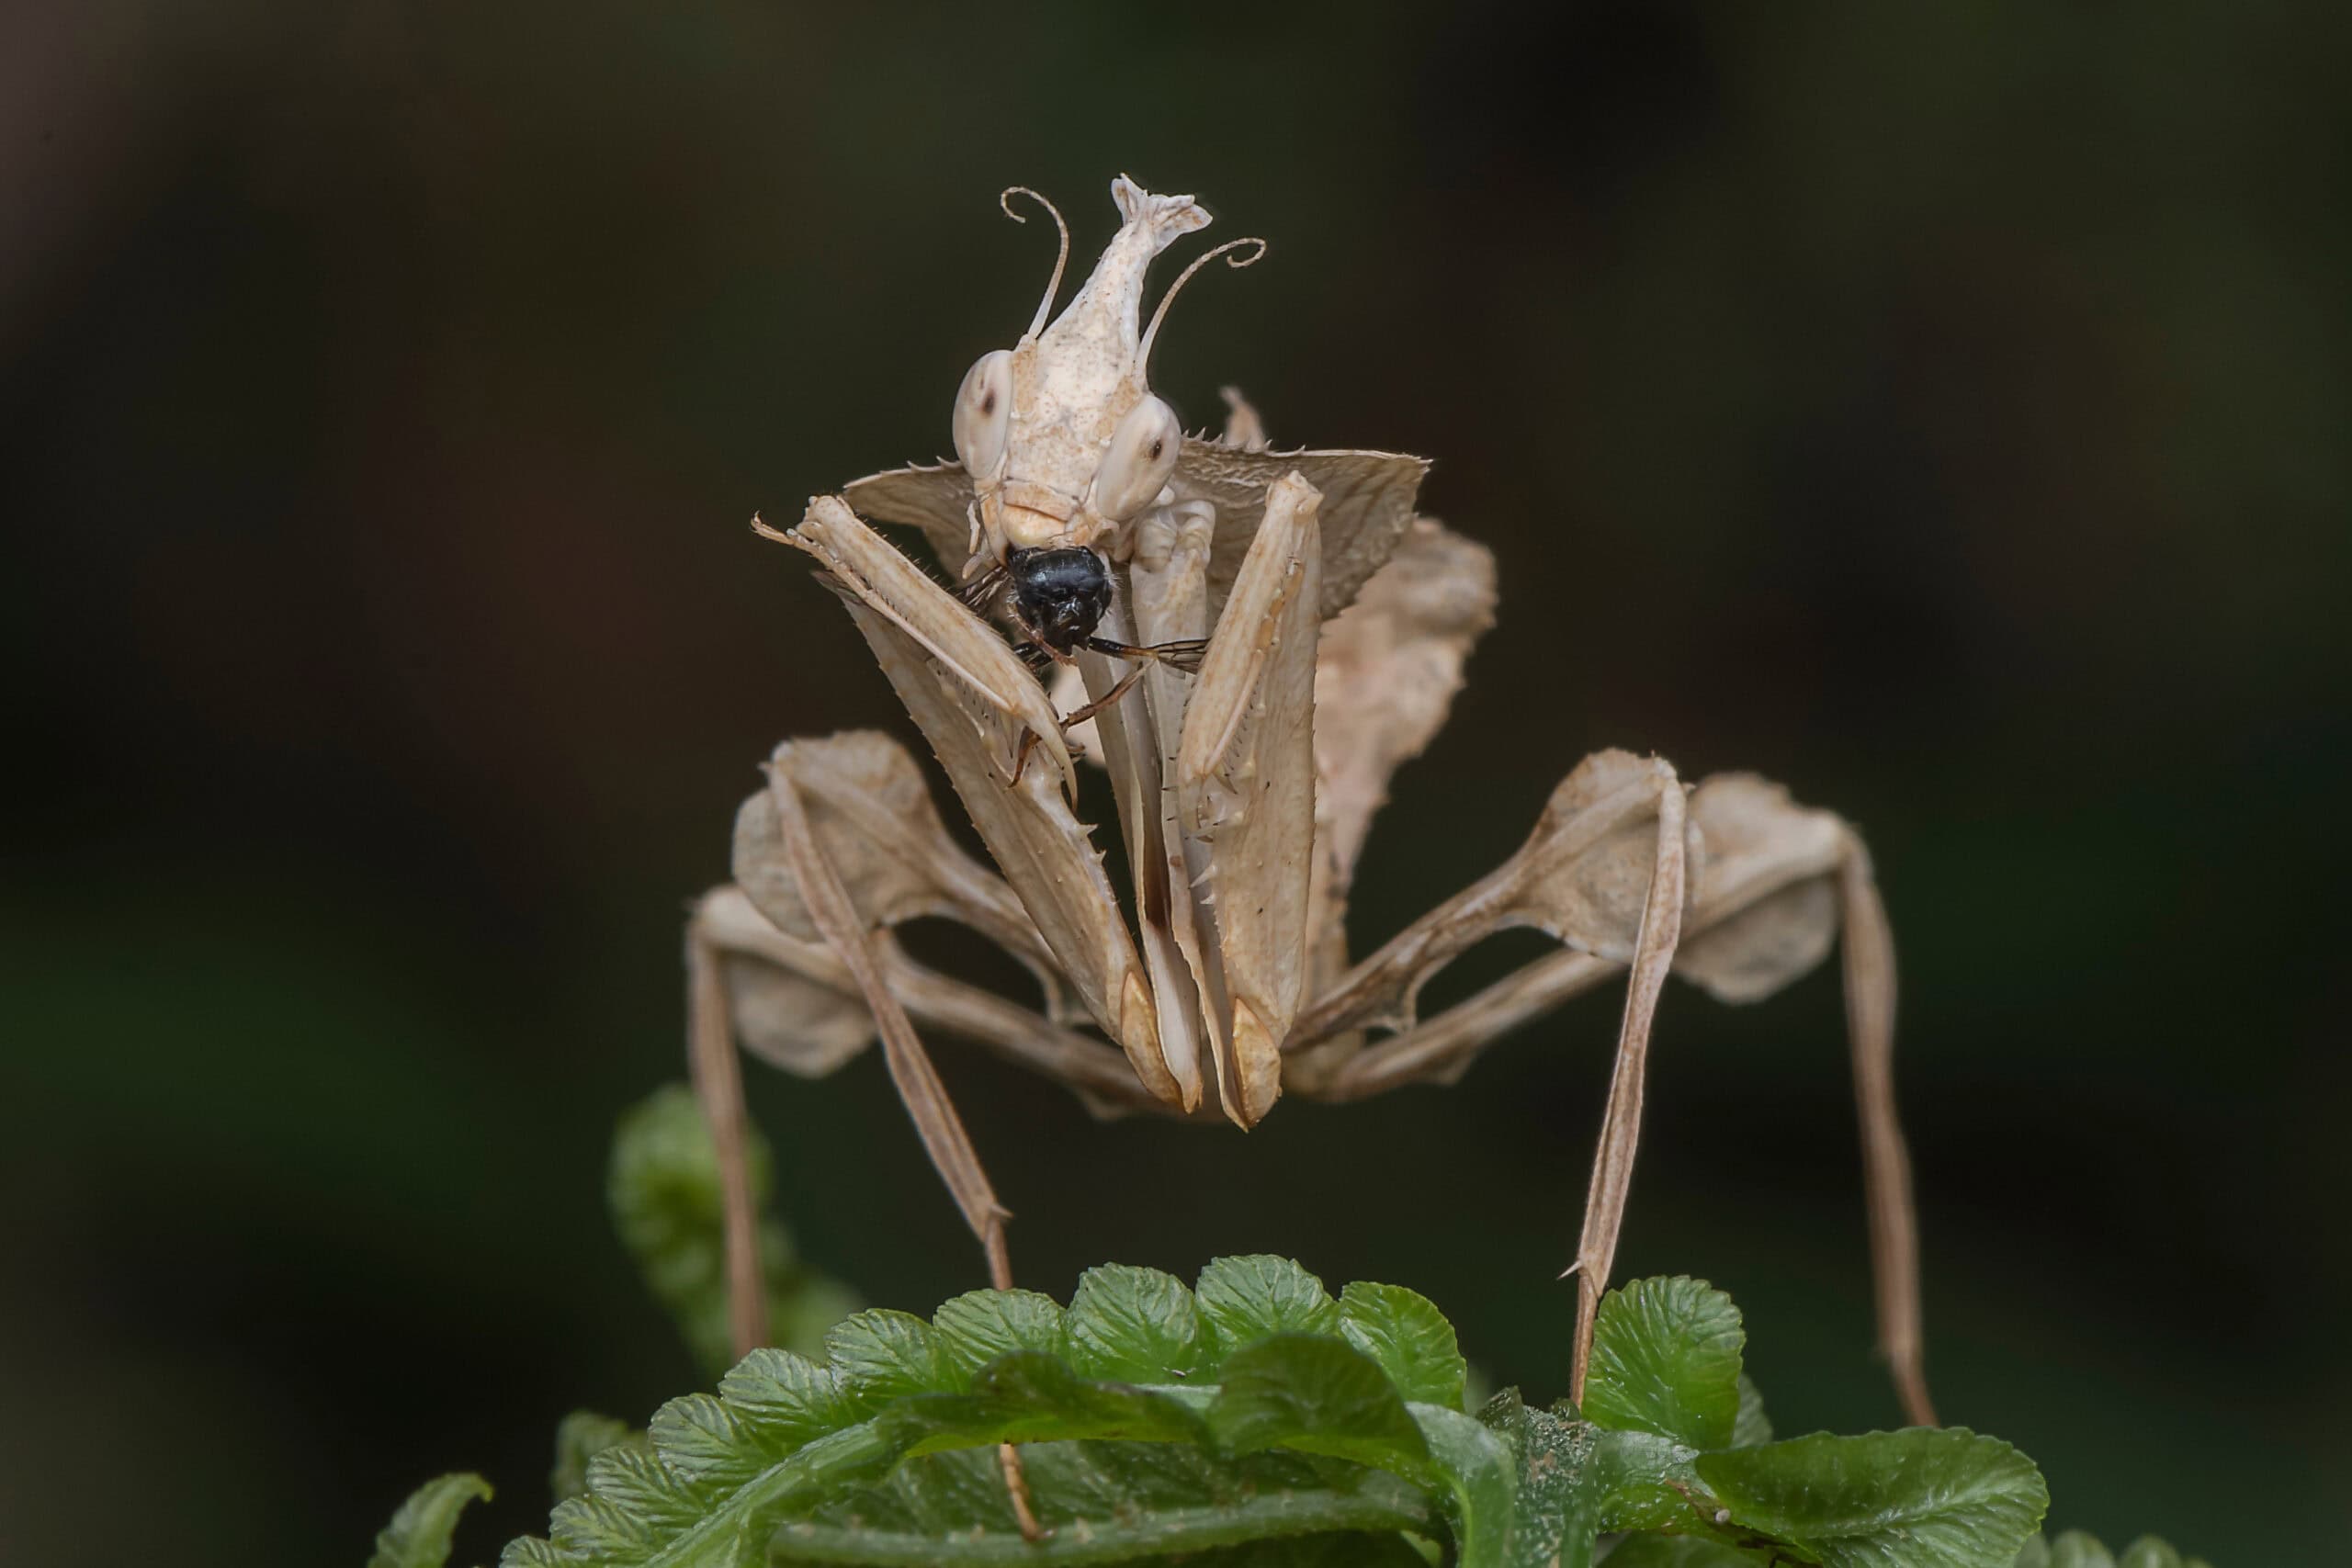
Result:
1941,409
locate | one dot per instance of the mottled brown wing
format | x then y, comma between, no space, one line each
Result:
935,497
1367,506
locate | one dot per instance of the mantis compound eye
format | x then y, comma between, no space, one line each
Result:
984,413
1142,455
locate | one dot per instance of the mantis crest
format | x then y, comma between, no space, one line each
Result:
1249,642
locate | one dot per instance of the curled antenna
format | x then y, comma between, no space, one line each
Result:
1054,284
1143,349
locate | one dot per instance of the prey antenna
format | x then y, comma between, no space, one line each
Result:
1054,284
1143,349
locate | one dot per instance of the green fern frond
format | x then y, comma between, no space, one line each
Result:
579,1437
663,1190
1256,1418
2077,1548
421,1531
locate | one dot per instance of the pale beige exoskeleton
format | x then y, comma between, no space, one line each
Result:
1336,624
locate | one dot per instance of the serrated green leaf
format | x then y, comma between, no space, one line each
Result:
587,1526
663,1190
1680,1552
1479,1471
1666,1359
733,1524
1318,1395
781,1400
1554,1510
1409,1337
1298,1446
632,1480
1918,1498
579,1437
531,1552
2076,1548
887,1354
701,1492
1133,1325
1029,1396
1113,1502
421,1528
1643,1482
1351,1551
979,1326
1244,1299
703,1441
1752,1427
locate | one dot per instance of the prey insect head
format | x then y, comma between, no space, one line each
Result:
1061,434
1060,594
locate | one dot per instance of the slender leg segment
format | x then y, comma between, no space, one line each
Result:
1109,699
1185,655
1612,1161
719,1085
934,1117
942,1132
1887,1165
1780,884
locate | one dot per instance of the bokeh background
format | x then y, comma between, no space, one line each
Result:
1943,410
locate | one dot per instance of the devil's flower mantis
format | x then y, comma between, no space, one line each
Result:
1249,642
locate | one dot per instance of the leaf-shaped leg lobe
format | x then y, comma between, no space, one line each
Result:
794,1004
1583,877
1386,673
870,809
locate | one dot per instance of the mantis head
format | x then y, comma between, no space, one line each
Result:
1061,434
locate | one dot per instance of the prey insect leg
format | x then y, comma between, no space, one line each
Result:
1108,699
1185,655
1075,718
981,591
